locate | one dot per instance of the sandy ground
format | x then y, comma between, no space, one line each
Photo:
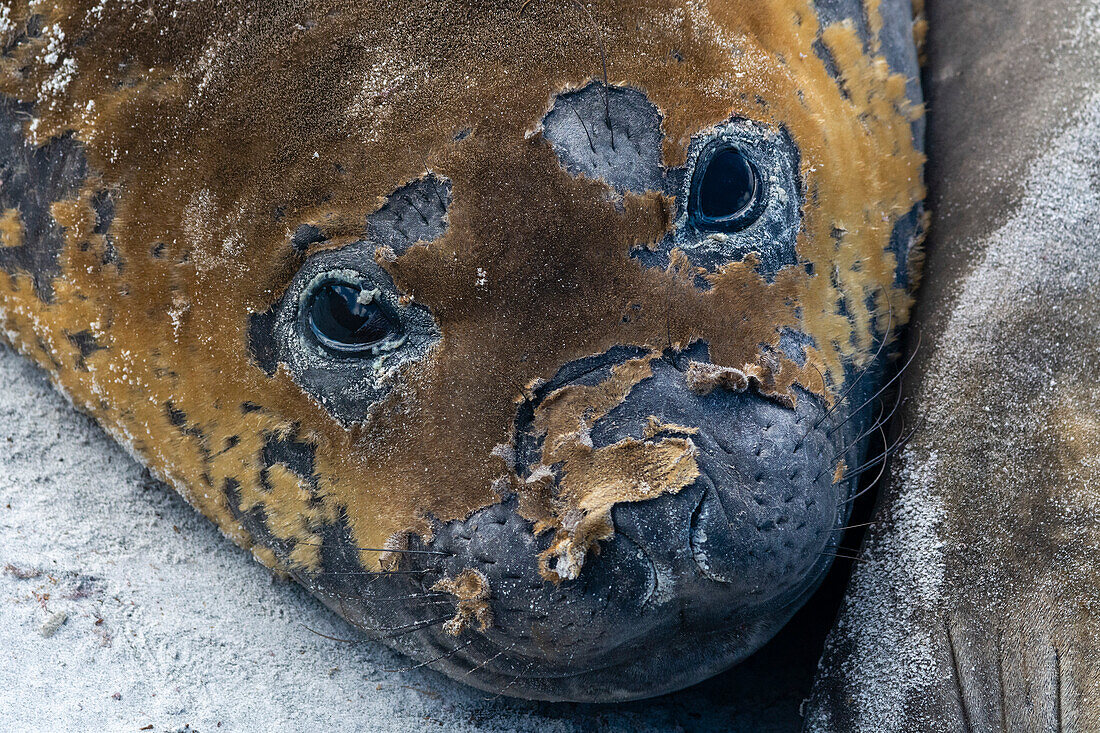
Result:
122,608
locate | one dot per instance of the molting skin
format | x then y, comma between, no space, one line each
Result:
551,379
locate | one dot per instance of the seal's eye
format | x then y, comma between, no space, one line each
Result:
726,190
348,318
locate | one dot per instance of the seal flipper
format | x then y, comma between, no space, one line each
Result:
976,607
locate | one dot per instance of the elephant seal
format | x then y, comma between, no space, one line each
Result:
975,606
540,340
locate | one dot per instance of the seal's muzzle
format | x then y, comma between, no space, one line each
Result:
724,562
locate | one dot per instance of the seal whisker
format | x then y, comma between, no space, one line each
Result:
875,424
885,387
587,134
882,470
424,601
866,369
855,526
434,659
333,638
603,60
489,659
884,420
844,557
384,549
820,374
881,427
409,201
515,679
379,573
898,444
412,597
879,422
869,486
376,632
418,626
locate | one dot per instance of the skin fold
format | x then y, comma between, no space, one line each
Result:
603,431
975,606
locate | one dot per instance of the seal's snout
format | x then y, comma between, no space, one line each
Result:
709,520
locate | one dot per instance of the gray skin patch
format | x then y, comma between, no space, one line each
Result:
31,179
577,128
625,154
347,385
416,212
305,236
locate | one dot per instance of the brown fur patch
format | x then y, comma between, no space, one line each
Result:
222,130
11,228
471,588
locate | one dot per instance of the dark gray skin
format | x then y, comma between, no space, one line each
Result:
692,582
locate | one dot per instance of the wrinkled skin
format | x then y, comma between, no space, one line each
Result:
607,446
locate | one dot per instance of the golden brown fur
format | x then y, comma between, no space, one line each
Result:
220,128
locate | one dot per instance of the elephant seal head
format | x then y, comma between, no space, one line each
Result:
535,339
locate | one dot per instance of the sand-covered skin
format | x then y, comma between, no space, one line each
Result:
978,604
194,632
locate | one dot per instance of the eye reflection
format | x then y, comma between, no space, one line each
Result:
348,318
726,191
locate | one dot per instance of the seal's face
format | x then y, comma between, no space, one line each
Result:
357,279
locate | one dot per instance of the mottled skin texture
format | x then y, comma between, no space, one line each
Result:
976,606
608,439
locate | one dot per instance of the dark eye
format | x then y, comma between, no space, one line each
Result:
348,318
726,190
